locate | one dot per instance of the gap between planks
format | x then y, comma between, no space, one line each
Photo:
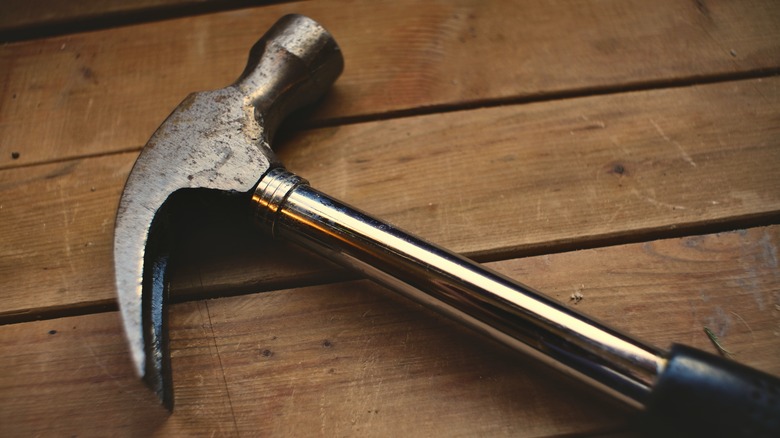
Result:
366,361
56,18
302,124
437,57
725,143
338,274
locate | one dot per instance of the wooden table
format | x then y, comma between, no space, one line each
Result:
624,152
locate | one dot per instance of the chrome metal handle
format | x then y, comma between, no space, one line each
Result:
484,300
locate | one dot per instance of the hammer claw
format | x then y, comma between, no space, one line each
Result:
157,373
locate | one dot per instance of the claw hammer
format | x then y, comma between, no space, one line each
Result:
219,141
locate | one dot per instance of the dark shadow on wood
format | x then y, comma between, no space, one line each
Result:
96,20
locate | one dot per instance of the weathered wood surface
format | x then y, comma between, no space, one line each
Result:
499,129
19,14
106,91
352,359
34,19
541,177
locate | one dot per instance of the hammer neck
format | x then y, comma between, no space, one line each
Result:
271,194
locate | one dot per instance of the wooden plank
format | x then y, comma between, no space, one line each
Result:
86,385
23,19
352,359
544,177
74,226
25,13
107,91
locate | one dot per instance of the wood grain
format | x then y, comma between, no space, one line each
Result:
498,128
36,18
59,220
107,91
352,359
24,13
489,183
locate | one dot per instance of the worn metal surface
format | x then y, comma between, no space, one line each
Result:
217,140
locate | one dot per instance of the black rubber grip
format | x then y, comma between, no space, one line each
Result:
700,394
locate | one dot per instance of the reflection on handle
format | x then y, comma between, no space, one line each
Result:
684,393
484,300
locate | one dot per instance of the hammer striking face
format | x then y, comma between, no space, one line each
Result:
218,142
215,140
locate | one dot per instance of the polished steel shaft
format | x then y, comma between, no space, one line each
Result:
485,300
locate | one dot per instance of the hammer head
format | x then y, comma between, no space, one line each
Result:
216,141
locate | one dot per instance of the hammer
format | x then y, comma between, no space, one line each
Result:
218,142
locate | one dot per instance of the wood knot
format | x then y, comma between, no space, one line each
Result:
617,168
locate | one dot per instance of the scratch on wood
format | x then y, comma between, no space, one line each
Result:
615,215
221,367
67,222
323,415
100,363
752,335
656,202
538,208
663,135
716,343
769,250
